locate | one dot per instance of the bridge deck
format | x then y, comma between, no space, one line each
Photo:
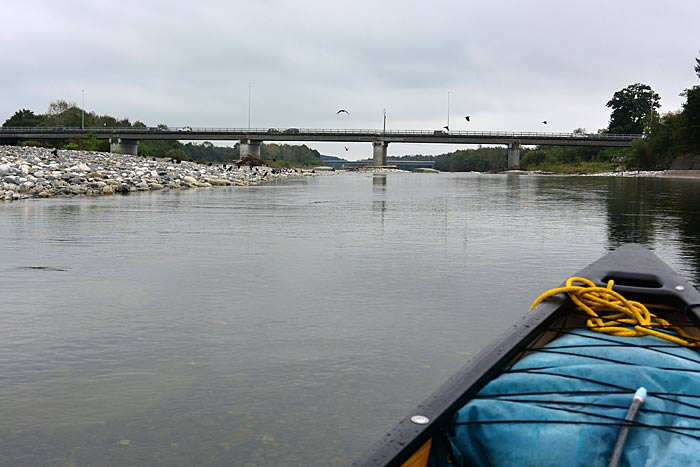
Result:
332,135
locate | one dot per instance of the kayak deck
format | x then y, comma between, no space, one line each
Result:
564,404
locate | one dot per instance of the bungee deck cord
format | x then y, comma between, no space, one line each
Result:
611,313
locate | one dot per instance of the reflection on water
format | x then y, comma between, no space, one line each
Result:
379,189
379,182
290,323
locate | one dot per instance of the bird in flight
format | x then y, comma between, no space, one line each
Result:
342,110
346,148
544,121
467,118
446,128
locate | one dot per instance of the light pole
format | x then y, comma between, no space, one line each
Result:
448,110
384,129
82,111
250,90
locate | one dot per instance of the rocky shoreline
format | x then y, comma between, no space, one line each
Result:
30,172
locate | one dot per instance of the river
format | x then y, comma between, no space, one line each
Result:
290,323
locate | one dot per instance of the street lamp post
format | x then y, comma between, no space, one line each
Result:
384,129
82,111
250,90
448,109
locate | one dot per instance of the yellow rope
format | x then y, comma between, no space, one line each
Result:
610,313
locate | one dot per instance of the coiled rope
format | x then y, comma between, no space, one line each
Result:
610,313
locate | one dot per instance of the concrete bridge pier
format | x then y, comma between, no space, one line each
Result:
249,147
514,155
379,152
124,146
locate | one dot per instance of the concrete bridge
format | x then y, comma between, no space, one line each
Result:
125,140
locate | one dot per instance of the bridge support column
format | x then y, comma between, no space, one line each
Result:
124,146
379,152
249,147
514,156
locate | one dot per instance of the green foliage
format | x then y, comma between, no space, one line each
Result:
70,117
534,159
697,67
617,155
413,157
178,153
633,109
207,152
23,118
578,167
156,148
531,159
691,119
643,155
675,134
473,160
91,143
71,146
292,155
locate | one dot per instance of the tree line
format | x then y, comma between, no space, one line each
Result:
633,111
68,114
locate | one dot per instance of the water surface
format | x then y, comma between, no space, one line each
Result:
284,324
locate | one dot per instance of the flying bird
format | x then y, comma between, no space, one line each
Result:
467,117
544,121
342,110
446,128
346,148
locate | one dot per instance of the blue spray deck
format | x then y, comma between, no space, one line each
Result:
564,405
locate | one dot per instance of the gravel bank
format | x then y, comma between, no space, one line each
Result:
28,172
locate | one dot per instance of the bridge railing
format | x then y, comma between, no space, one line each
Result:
262,132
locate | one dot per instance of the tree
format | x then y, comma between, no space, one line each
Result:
59,106
697,67
91,143
634,109
23,118
691,118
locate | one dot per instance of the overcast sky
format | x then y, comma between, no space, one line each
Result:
509,64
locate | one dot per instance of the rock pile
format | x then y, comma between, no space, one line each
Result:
28,172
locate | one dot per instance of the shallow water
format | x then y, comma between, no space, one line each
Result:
289,323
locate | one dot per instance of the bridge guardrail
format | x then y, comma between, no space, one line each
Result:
310,131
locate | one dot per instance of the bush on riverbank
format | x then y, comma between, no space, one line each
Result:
571,159
473,160
575,167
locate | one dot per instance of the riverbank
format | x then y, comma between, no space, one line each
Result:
620,173
30,172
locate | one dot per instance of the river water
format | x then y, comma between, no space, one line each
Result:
290,323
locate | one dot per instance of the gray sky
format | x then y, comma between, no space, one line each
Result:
508,64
